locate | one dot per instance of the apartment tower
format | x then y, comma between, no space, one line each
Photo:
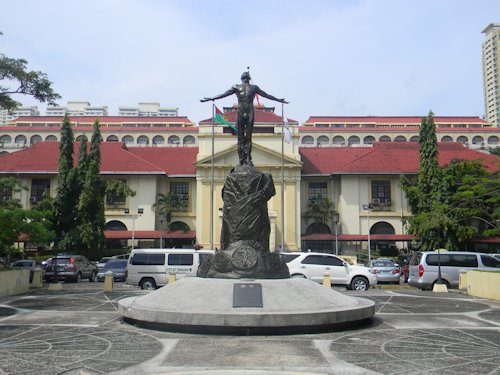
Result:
491,77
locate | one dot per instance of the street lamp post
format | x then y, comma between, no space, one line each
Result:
367,208
336,218
162,217
140,211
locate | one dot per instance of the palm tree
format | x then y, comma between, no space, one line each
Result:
320,210
167,204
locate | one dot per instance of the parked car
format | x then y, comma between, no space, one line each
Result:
102,262
424,267
70,268
26,263
117,266
313,266
121,256
386,270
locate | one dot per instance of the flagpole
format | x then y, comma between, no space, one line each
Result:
282,177
212,182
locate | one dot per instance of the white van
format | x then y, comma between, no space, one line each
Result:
424,267
149,268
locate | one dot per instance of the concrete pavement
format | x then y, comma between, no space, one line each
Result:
79,331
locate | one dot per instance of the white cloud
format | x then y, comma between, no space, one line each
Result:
384,57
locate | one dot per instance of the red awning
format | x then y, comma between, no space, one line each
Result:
149,234
358,237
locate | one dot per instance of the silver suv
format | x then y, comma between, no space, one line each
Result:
424,267
70,268
313,266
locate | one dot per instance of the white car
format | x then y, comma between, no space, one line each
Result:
313,266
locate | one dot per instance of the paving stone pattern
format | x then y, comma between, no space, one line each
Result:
79,331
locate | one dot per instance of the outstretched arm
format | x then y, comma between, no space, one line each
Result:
227,93
268,96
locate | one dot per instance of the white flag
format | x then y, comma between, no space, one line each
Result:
287,135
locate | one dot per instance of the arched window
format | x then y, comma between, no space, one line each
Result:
5,139
353,140
51,138
493,140
446,138
115,225
477,140
174,140
369,140
128,140
179,225
384,138
158,140
21,140
414,138
112,138
338,140
143,140
189,140
323,140
318,227
307,140
400,138
35,139
463,139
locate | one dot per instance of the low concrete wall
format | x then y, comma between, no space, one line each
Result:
483,284
14,282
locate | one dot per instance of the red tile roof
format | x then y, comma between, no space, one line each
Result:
384,158
393,119
116,158
261,117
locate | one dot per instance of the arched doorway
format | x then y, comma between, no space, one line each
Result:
177,242
385,248
115,243
320,245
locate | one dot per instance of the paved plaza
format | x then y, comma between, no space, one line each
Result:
79,331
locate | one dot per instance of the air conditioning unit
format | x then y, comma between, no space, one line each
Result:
32,199
376,201
312,201
6,198
388,201
184,196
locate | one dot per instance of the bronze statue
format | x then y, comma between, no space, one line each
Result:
245,92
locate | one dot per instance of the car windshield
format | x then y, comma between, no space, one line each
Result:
113,264
22,263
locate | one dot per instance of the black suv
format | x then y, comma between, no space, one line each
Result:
70,268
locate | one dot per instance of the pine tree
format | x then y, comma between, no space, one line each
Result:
66,197
91,203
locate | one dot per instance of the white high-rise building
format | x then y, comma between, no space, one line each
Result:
491,77
148,109
5,116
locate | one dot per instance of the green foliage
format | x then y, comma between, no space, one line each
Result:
15,222
90,208
321,211
68,188
9,185
118,191
167,204
495,151
16,79
464,203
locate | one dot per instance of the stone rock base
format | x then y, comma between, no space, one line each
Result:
207,306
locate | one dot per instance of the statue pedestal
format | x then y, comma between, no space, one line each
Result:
199,305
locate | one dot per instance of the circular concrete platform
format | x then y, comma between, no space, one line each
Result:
207,306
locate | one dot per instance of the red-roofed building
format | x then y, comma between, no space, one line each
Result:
351,177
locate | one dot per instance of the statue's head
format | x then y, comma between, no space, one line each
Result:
245,77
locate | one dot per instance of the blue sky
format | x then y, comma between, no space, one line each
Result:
327,57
